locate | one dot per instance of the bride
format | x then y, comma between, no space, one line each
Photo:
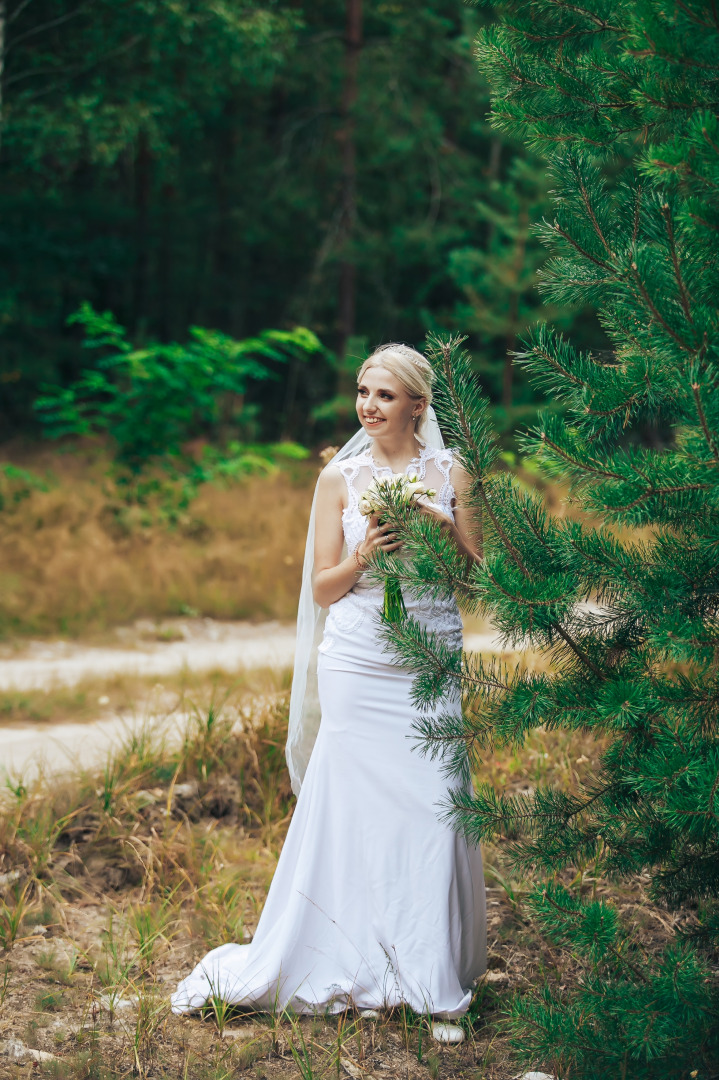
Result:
375,902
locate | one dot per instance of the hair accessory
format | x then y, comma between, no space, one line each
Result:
416,358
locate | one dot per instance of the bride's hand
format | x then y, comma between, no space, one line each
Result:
424,504
378,538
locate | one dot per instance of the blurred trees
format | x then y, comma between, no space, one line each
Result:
184,162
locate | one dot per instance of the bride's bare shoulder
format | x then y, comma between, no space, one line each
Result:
331,485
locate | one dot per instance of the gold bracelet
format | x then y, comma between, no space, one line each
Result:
361,566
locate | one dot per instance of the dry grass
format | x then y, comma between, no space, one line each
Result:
73,559
131,696
117,883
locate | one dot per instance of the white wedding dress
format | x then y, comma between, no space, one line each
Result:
374,901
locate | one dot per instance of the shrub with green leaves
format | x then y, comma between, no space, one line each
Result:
621,97
152,401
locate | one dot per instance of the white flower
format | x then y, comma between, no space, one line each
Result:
400,487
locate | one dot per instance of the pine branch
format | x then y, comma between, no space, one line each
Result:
444,351
588,467
574,913
582,251
579,652
683,294
658,492
656,313
703,421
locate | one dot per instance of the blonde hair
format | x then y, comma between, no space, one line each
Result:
412,369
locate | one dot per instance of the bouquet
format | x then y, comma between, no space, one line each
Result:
399,489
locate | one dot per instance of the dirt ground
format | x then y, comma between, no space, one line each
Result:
117,873
114,883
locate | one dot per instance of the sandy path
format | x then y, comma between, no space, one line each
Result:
231,647
208,645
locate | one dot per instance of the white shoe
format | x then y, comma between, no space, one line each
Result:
447,1033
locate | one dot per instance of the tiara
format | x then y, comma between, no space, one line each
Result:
416,358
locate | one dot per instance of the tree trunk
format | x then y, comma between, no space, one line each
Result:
168,197
346,135
225,308
495,158
3,25
495,161
143,183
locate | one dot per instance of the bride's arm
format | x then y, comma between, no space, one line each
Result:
335,576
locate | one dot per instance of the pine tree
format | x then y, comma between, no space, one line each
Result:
621,97
498,275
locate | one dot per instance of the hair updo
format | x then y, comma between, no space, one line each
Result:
412,369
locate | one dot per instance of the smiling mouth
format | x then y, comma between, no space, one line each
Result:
374,420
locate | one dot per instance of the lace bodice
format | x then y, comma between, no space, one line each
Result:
431,465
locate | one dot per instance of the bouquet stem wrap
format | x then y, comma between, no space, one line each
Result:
394,609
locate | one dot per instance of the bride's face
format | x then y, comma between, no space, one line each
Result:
383,404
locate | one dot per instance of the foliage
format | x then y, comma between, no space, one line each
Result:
17,484
628,618
153,401
625,1000
180,164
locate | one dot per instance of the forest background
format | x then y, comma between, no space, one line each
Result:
255,165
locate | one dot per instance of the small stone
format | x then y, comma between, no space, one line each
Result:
103,700
110,1004
447,1033
9,878
144,798
40,1055
39,929
369,1014
186,791
16,1050
536,1076
351,1069
496,977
